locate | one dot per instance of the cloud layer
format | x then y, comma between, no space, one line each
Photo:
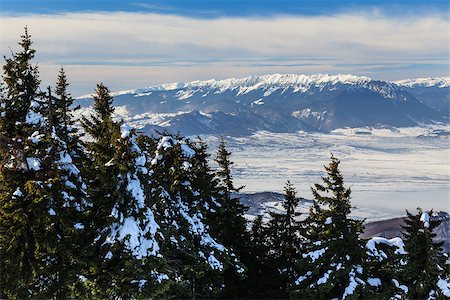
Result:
129,50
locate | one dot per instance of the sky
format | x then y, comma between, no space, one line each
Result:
134,44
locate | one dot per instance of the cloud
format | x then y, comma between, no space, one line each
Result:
129,50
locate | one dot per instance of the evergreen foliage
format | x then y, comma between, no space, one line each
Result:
384,263
333,262
43,194
123,225
23,209
425,271
229,223
66,195
183,200
284,238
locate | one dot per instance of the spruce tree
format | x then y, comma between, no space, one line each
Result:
229,224
182,194
284,242
384,264
124,260
426,273
333,262
67,198
23,202
102,185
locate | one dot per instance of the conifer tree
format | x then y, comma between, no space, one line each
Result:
229,224
384,263
124,259
102,185
426,273
334,256
23,201
183,200
284,241
66,193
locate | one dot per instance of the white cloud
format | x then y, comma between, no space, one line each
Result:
129,50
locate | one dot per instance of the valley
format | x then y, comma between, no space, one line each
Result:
389,170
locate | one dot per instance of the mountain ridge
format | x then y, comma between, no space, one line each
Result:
441,82
281,103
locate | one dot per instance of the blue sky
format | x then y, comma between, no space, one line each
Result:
213,8
131,44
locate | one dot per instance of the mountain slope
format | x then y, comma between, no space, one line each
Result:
276,103
434,92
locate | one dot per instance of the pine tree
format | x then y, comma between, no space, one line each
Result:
426,273
284,241
182,189
23,201
102,184
229,224
334,256
124,260
384,264
66,193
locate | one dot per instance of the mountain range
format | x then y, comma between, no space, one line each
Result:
282,103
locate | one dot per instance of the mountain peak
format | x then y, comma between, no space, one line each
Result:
273,80
269,82
440,82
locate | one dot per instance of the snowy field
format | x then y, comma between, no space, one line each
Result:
389,170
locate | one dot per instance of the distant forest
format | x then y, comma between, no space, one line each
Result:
108,213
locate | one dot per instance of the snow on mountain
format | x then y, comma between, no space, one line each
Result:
276,103
433,92
269,83
440,82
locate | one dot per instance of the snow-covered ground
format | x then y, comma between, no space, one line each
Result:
389,170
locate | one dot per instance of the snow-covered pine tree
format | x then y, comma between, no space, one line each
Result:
284,238
334,255
126,256
24,214
64,195
426,273
384,263
195,258
229,224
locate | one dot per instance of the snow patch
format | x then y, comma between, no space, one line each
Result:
400,286
187,151
396,242
444,286
34,163
314,255
17,193
303,277
125,130
425,219
374,281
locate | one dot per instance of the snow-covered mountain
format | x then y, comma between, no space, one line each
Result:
439,82
434,91
280,103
